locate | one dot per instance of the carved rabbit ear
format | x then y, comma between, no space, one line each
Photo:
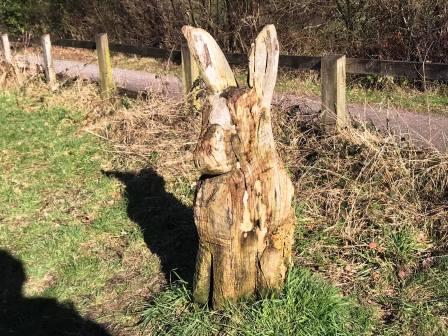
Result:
263,64
212,63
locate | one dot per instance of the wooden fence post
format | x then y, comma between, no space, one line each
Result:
6,48
190,70
333,81
50,74
106,81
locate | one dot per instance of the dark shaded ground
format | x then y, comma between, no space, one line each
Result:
167,224
20,316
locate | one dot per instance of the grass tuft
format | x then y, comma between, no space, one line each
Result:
306,306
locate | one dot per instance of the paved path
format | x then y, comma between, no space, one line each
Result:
428,130
127,80
424,129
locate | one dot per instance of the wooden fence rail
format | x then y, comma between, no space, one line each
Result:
412,70
333,70
174,55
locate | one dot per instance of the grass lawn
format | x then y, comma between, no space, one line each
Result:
102,241
66,221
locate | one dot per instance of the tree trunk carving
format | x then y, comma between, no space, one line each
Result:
242,209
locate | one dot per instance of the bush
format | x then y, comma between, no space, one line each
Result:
394,29
15,15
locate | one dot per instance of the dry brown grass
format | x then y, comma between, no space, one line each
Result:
143,131
359,168
155,132
354,186
372,210
12,77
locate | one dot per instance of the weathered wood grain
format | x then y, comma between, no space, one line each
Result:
333,92
190,70
50,74
106,80
242,208
6,48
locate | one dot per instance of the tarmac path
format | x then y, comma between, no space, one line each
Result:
424,129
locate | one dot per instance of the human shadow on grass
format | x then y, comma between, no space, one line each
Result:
167,224
36,316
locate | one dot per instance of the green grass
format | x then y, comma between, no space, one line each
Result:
434,100
70,226
64,221
307,306
421,304
61,217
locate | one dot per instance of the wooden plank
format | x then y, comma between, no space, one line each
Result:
333,78
237,59
50,74
295,62
105,67
6,48
300,62
412,70
173,55
75,44
190,70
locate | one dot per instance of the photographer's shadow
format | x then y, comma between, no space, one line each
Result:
38,316
167,224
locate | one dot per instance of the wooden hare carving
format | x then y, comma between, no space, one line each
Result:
242,208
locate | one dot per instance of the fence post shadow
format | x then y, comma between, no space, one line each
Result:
166,223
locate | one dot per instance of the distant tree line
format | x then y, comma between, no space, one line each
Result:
413,30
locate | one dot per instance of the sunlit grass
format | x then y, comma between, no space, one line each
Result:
306,306
381,266
60,216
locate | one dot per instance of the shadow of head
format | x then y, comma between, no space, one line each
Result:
12,277
167,224
37,316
